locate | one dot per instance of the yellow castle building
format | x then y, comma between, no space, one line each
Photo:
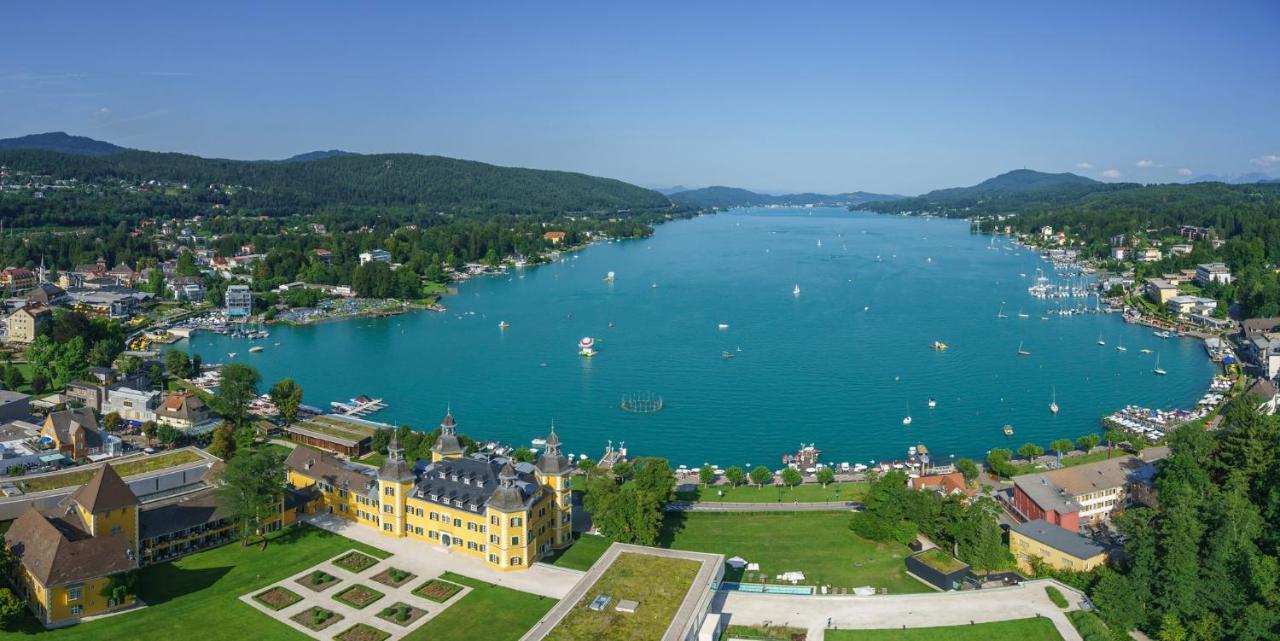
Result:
503,513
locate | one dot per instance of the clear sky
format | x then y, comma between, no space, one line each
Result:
895,96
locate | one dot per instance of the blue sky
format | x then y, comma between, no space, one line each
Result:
901,97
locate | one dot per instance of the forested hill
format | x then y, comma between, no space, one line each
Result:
1008,193
61,142
434,183
726,197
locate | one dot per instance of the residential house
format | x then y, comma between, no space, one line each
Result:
1058,548
14,405
1213,273
137,406
323,255
123,275
487,507
1193,233
183,410
379,255
950,484
1180,250
1188,305
89,394
1148,255
74,433
554,237
1120,253
25,323
1160,290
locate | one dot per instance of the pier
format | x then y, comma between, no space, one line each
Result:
358,407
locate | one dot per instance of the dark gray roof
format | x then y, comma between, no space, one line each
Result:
395,468
551,461
1050,535
180,512
448,442
471,483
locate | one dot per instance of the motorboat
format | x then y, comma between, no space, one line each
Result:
796,290
1053,405
907,420
932,403
723,326
939,345
1008,430
504,325
609,277
255,349
586,347
726,355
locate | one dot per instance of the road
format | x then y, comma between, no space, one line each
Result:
817,613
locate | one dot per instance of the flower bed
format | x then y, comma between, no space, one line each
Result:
437,590
318,581
394,577
401,614
358,596
355,562
316,618
277,598
362,632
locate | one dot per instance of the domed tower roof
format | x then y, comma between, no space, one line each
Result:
508,497
551,461
395,469
448,442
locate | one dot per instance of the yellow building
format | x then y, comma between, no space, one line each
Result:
66,562
24,324
74,433
1056,547
503,513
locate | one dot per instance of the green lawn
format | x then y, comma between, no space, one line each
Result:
504,614
819,544
374,459
806,493
658,584
1034,629
200,594
582,554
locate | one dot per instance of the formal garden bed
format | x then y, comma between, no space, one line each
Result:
362,632
318,581
277,598
394,577
355,562
766,633
358,596
437,590
316,618
401,614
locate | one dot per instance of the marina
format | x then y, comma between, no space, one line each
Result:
837,365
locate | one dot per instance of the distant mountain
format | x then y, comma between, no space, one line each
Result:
62,143
667,191
320,155
726,197
1242,179
1007,193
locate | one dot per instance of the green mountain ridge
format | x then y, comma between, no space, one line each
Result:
1007,193
62,142
726,197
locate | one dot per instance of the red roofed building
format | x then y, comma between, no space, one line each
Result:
556,237
18,278
944,484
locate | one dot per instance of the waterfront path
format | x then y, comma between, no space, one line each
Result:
895,611
716,506
541,579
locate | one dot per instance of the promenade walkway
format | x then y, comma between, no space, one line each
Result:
895,611
431,560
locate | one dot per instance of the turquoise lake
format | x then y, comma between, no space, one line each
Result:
838,365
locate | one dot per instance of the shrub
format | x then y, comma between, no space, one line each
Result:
1055,595
402,614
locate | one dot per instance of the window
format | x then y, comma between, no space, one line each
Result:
342,494
434,516
471,527
390,490
74,592
515,540
457,523
516,521
386,527
342,508
75,610
433,534
417,531
493,558
494,520
386,508
471,545
116,529
493,538
515,560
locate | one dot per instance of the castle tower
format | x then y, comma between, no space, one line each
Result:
553,471
395,481
447,445
107,506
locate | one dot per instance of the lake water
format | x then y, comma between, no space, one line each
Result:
839,365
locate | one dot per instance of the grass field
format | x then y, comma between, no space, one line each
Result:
582,554
200,594
503,614
805,493
819,544
1034,629
658,584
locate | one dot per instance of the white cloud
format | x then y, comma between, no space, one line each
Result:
1111,173
1084,165
1267,160
1184,172
103,112
1146,163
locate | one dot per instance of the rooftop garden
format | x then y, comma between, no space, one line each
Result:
940,561
1034,629
658,584
126,467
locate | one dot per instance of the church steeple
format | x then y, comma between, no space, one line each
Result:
447,445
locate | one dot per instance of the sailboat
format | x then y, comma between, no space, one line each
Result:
796,290
1158,370
1100,341
819,242
1121,347
1022,314
1001,314
1053,405
1022,352
932,403
907,420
